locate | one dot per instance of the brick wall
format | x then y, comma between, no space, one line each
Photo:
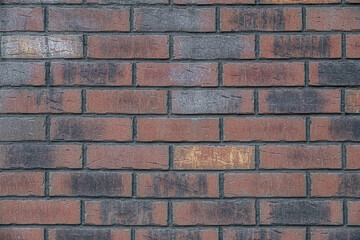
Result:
179,120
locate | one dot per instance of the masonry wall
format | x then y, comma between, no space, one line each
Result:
180,119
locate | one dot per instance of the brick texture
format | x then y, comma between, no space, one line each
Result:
179,119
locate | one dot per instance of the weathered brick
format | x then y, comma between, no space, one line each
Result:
300,157
265,185
214,47
300,46
264,234
167,129
213,157
18,74
201,2
352,101
353,208
21,19
22,128
214,213
126,101
343,73
353,46
352,157
127,1
40,101
90,129
299,101
174,19
22,184
177,74
335,129
127,157
176,234
264,74
40,156
177,185
260,19
93,184
89,234
334,233
299,1
112,212
212,101
22,233
264,129
128,47
39,212
332,19
335,185
42,1
31,46
91,74
89,19
301,212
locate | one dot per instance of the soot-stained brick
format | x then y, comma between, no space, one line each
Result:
337,74
83,234
345,128
335,234
171,234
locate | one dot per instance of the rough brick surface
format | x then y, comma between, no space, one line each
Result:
179,119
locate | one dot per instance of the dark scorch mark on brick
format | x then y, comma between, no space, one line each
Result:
173,234
290,101
260,234
339,73
300,212
82,234
345,128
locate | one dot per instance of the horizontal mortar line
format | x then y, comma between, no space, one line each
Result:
185,171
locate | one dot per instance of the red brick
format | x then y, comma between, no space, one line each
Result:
22,128
22,184
168,129
18,74
91,74
40,156
176,234
126,1
112,212
42,1
127,157
353,208
264,234
39,212
299,101
91,129
301,212
335,129
300,46
352,101
89,234
212,101
89,19
264,129
335,185
332,19
128,47
264,74
126,101
339,73
177,74
92,184
214,47
353,46
265,185
213,157
22,233
201,2
299,1
21,19
214,213
55,46
300,157
260,19
352,157
177,185
174,19
334,233
40,101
